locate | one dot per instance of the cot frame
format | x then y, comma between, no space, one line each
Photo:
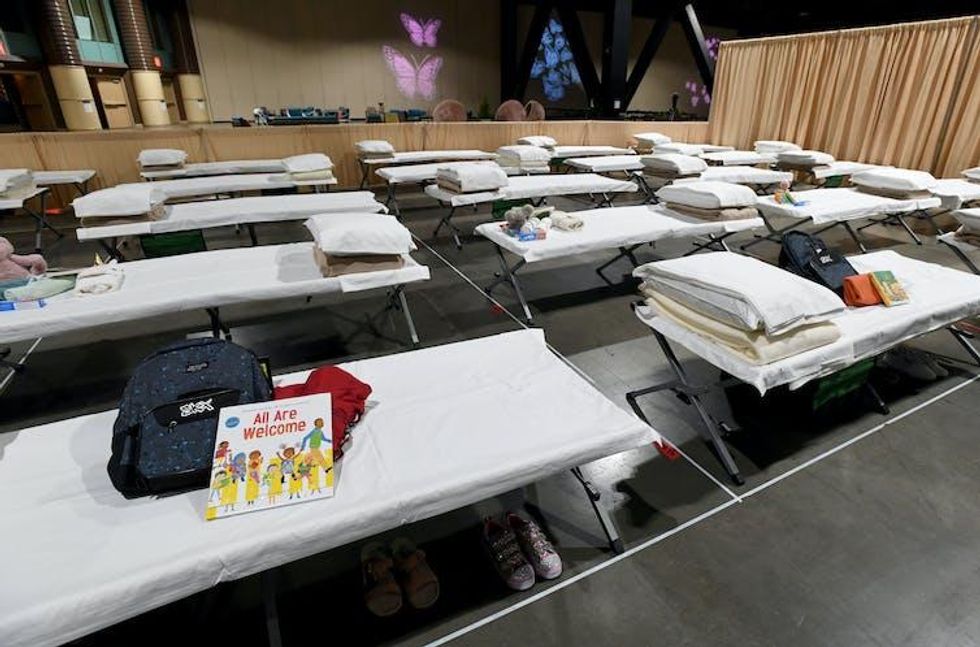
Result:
39,215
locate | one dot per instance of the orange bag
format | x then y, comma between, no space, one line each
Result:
860,291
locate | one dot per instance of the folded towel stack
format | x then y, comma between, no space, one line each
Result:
348,243
374,149
123,202
99,279
309,167
754,310
471,177
774,146
899,183
709,200
645,142
541,141
803,159
16,183
523,158
160,159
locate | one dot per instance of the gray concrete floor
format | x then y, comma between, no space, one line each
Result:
855,528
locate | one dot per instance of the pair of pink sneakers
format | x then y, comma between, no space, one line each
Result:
520,551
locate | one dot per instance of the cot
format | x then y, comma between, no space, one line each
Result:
838,207
940,297
77,557
227,167
39,213
561,153
78,178
833,175
953,194
622,228
532,187
420,157
737,158
217,185
208,214
961,248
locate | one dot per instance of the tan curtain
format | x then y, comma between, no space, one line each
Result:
882,94
960,147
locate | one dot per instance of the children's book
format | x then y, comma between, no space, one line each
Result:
269,454
891,291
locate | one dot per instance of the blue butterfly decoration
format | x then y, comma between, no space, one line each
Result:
554,63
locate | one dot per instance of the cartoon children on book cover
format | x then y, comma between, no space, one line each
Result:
268,454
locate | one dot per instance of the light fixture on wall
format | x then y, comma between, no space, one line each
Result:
414,77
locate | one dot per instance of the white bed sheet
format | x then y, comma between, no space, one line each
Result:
606,163
824,206
77,557
238,211
52,178
939,296
418,157
192,187
419,173
738,158
564,152
613,227
18,203
161,286
954,193
537,186
742,175
227,167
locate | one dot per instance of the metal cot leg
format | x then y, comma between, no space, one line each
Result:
403,304
963,257
964,340
269,584
447,221
605,519
508,274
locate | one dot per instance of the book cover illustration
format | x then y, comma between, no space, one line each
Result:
891,291
270,454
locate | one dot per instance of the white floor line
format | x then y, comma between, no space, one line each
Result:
704,471
580,576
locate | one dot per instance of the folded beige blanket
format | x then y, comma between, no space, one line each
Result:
731,213
156,213
306,176
339,265
754,347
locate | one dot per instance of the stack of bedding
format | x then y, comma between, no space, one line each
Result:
351,243
471,177
646,142
161,159
898,183
756,311
16,183
523,158
774,146
308,168
121,204
712,201
374,149
803,159
541,141
662,168
679,148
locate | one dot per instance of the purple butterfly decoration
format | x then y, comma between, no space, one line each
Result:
413,78
422,32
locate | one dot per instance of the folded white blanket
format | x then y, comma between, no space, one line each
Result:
566,221
161,157
708,194
473,176
15,182
679,148
99,279
524,153
307,163
774,146
651,139
742,291
121,200
805,157
972,174
538,140
894,179
374,147
675,163
733,158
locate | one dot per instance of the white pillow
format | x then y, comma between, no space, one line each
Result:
374,147
161,157
538,140
972,174
654,139
525,153
121,200
679,148
806,157
774,146
307,163
708,195
675,162
894,179
351,234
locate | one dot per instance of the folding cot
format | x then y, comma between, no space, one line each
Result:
216,185
40,194
953,194
77,557
838,207
960,247
532,187
939,297
831,175
420,157
79,178
227,167
622,228
187,216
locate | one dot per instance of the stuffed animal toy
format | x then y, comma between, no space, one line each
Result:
14,266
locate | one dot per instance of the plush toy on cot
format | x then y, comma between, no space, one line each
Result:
15,266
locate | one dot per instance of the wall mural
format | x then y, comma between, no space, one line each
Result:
415,77
554,63
698,91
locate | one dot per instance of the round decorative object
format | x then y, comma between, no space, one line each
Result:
511,110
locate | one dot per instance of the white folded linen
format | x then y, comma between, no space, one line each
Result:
152,157
972,174
541,141
743,175
473,176
679,148
523,153
805,157
774,146
715,148
742,291
16,182
136,199
706,194
99,279
307,163
675,163
651,139
351,234
894,179
374,147
736,158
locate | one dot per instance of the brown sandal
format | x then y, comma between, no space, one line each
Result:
418,581
382,595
